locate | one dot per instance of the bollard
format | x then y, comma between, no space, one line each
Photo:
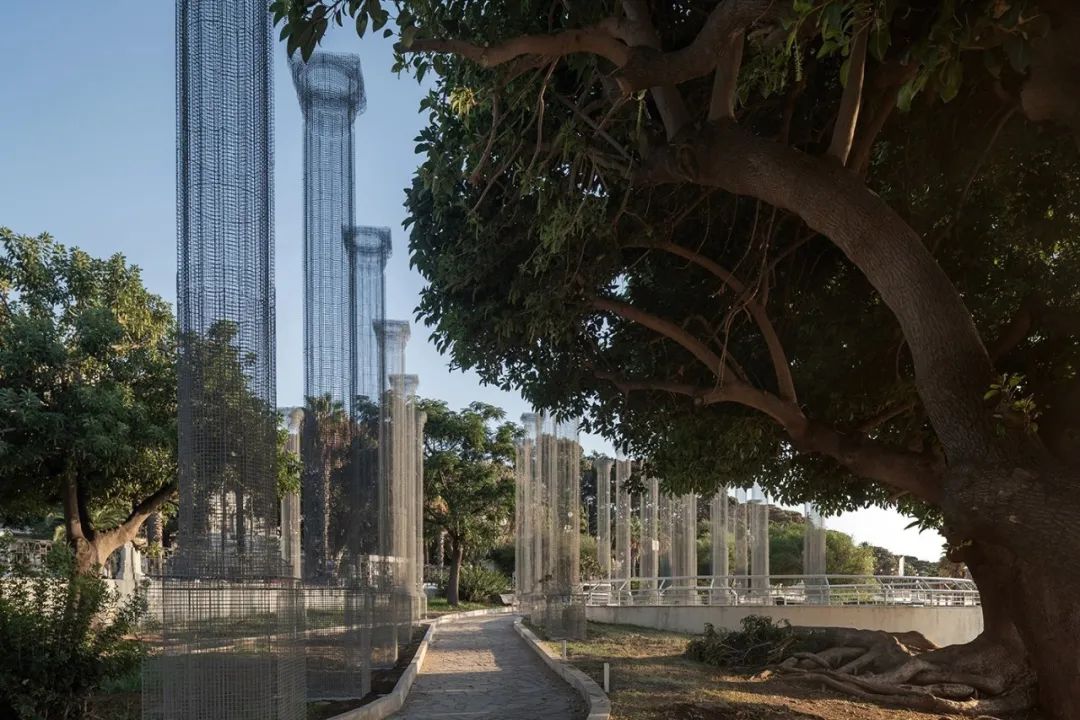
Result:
607,678
563,649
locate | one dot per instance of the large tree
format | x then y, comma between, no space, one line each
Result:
87,393
468,480
831,246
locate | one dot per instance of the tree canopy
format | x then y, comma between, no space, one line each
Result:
87,390
468,478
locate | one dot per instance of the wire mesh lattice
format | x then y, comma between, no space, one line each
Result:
225,293
624,561
814,555
227,650
650,533
758,519
330,88
603,467
226,614
548,472
718,536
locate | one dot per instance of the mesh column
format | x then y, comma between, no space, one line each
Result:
650,538
742,542
603,515
684,552
228,606
759,544
718,529
623,568
814,567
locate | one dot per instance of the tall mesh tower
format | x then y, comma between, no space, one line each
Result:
225,292
330,88
603,467
228,605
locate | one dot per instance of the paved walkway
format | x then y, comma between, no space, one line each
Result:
480,669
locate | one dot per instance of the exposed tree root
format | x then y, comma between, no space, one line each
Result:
905,670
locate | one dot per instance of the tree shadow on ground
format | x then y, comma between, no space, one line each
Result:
743,711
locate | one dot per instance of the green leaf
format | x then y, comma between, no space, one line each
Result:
387,33
407,35
993,63
361,24
1018,52
951,77
880,39
907,93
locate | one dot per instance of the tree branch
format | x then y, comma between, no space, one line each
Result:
892,411
918,474
593,40
781,366
639,30
952,367
851,100
1031,315
886,81
130,527
646,67
668,329
726,79
626,386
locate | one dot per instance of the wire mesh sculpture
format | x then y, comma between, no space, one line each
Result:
228,607
603,467
395,511
290,502
718,536
330,88
758,519
548,470
650,539
684,552
742,540
624,561
342,432
814,567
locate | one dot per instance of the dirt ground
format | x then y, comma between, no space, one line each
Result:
651,680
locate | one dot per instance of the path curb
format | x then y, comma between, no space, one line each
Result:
390,703
598,703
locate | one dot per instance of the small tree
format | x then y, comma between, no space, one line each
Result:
87,392
468,479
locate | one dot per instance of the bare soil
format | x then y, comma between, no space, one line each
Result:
652,680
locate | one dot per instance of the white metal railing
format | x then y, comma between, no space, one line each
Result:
889,590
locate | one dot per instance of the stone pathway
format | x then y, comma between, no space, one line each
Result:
480,669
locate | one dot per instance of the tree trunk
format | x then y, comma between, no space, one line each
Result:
457,555
1017,534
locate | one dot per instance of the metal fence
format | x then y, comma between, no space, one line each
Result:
834,590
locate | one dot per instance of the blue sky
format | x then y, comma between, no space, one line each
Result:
87,153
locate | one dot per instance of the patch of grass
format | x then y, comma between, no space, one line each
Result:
437,607
652,679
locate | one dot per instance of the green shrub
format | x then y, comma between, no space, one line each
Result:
62,637
478,584
760,642
504,557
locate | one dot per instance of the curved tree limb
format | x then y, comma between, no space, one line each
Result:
641,67
647,67
952,367
668,329
781,366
